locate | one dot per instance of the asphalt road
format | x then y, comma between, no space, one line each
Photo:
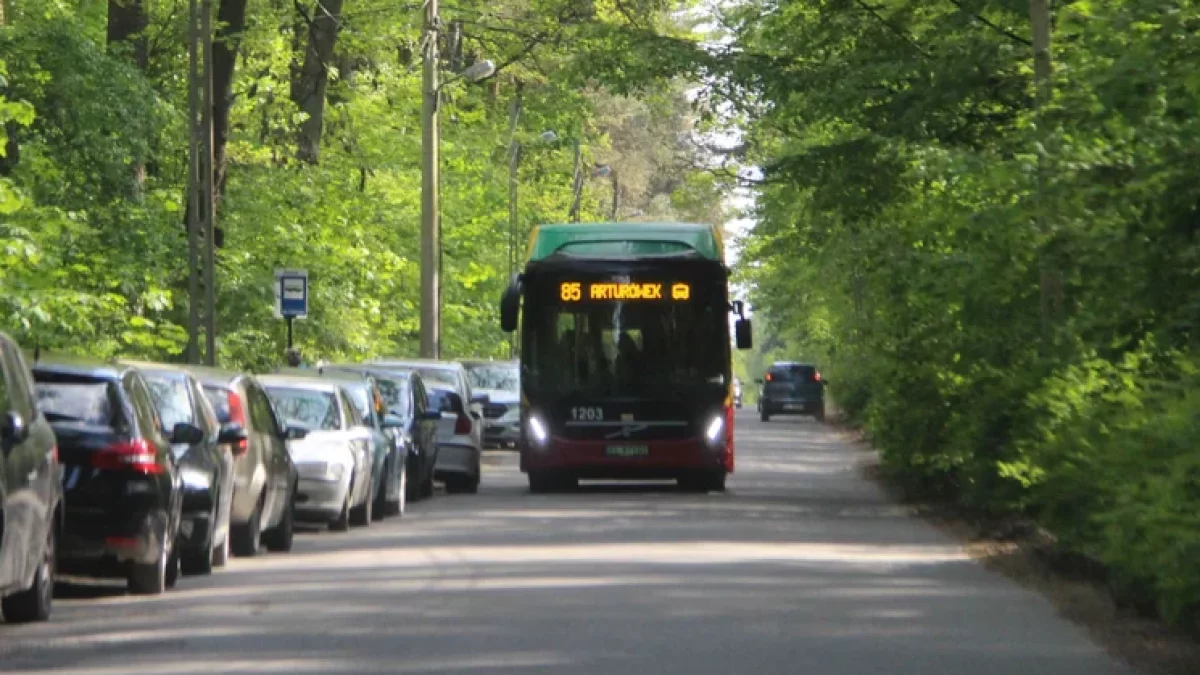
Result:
801,567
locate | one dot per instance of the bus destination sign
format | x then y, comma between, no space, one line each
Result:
576,291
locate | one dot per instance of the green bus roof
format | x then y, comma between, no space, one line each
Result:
625,240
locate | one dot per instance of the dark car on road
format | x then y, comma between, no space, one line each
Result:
121,484
791,388
404,394
205,466
30,494
263,506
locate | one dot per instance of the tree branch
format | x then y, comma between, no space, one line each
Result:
997,28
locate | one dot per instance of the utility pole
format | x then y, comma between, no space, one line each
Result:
200,219
430,246
193,192
577,185
514,163
206,184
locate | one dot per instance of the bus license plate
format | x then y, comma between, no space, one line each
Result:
627,451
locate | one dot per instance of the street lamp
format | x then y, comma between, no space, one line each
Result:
430,164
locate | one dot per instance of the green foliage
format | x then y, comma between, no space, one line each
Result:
92,236
1007,345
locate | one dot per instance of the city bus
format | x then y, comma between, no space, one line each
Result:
625,354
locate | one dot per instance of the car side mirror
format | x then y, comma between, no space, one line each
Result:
12,428
294,433
431,415
510,306
743,333
186,434
231,434
391,421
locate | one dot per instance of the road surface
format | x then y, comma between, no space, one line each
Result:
801,567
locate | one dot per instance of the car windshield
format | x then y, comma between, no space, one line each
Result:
171,398
87,402
500,378
314,409
395,394
791,372
360,396
626,348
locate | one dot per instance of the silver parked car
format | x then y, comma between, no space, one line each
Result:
500,382
334,459
460,430
264,477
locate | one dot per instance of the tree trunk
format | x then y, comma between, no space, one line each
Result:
310,83
127,22
231,23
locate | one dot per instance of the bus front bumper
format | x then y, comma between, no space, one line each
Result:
626,460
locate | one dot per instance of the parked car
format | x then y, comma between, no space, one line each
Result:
333,459
737,393
205,467
122,488
791,388
460,433
500,383
404,393
262,507
31,499
389,489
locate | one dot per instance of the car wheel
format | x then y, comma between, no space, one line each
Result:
764,415
150,578
342,522
220,554
380,508
361,516
280,538
820,416
427,487
247,537
540,482
397,507
173,567
414,489
458,485
200,562
33,604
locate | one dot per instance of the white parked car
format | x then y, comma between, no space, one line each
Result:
460,431
334,460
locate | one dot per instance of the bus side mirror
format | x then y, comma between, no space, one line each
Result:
743,334
510,307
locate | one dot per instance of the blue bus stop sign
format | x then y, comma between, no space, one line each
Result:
291,293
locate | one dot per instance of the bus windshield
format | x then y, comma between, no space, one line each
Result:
626,349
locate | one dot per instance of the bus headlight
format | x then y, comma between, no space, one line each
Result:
537,431
714,433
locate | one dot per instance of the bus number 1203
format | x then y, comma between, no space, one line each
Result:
587,414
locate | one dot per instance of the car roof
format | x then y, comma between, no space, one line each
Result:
418,363
508,363
211,375
785,364
377,372
171,370
80,365
310,382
